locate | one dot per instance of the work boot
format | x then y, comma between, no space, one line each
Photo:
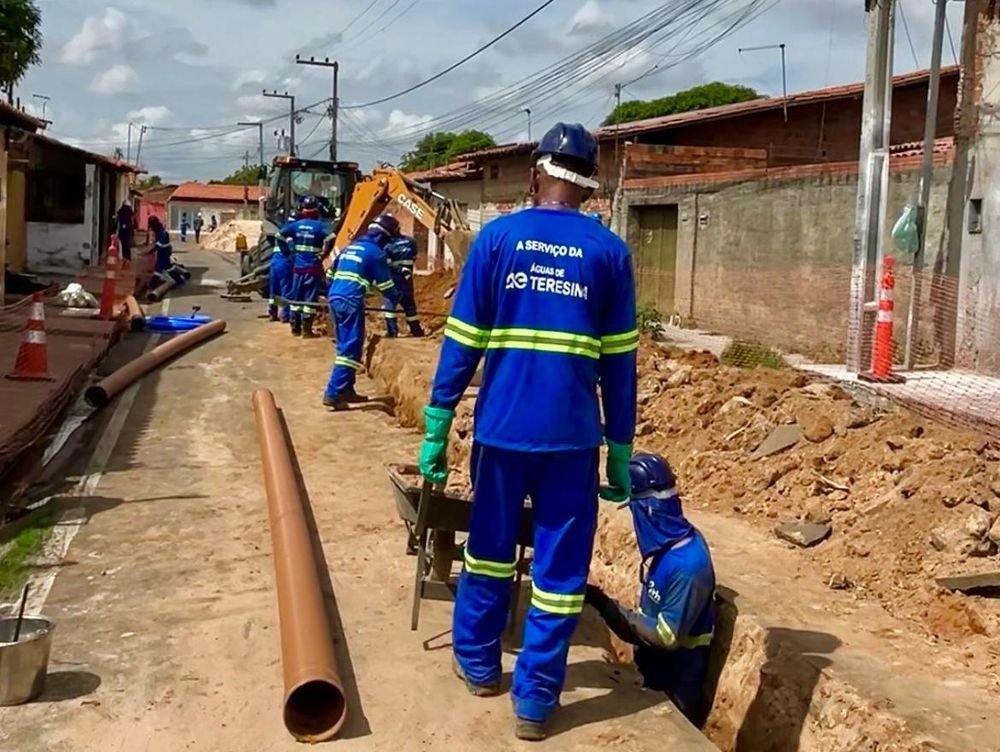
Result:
307,329
336,403
353,398
529,731
476,690
416,330
272,315
296,326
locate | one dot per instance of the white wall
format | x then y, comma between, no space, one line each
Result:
175,208
58,248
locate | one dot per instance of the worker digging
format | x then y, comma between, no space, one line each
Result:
307,240
547,296
401,254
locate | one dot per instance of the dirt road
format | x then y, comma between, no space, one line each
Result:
167,626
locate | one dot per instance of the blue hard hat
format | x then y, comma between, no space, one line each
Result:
570,144
649,473
386,224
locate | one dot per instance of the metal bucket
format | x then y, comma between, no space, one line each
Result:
23,664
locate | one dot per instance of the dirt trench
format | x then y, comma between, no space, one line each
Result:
886,482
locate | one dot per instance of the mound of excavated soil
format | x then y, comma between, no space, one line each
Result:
890,484
224,237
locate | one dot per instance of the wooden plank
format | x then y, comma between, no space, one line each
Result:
971,582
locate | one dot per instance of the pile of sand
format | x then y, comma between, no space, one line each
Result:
224,237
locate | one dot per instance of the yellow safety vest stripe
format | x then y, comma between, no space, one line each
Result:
500,570
616,344
347,362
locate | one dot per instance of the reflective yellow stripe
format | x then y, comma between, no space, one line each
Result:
389,315
351,277
466,334
500,570
615,344
413,319
556,603
666,632
545,341
387,285
697,641
348,363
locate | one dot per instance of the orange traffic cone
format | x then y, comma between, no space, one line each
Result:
882,350
110,289
32,362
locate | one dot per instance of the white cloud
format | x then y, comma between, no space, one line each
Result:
151,115
249,77
590,18
399,120
118,79
98,34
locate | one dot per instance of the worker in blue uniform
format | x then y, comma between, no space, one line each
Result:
359,267
309,240
673,628
164,266
402,253
279,279
548,296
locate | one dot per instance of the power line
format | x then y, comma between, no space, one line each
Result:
358,17
359,39
906,28
460,63
951,40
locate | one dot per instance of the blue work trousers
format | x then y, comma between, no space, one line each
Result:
409,305
349,318
279,283
308,281
563,490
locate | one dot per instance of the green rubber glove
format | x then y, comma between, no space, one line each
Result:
619,481
434,451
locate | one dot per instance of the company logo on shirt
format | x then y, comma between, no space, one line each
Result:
653,592
552,249
517,281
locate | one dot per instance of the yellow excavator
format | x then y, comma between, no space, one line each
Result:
387,190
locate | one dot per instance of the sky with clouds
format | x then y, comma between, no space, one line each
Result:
190,70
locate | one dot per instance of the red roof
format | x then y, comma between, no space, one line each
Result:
229,194
159,194
762,105
118,165
10,115
460,170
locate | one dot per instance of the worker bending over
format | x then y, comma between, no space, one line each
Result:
164,267
548,295
402,254
672,630
362,265
308,240
279,279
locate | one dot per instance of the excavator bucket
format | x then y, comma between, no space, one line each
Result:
459,241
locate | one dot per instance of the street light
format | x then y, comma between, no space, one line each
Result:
784,78
291,116
527,111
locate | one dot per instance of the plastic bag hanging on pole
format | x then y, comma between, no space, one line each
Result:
906,231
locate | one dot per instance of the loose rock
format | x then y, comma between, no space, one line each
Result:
816,428
815,513
994,534
803,534
839,581
978,523
680,377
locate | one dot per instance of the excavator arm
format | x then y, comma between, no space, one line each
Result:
387,190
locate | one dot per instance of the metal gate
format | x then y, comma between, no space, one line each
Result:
656,256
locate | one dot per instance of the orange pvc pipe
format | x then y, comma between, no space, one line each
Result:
135,314
315,706
101,393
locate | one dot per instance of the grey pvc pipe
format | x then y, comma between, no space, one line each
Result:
101,393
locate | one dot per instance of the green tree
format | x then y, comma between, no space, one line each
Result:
20,40
151,181
436,149
696,98
243,176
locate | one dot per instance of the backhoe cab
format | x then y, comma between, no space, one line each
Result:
292,179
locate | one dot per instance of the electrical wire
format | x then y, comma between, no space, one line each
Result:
353,44
951,41
906,28
454,66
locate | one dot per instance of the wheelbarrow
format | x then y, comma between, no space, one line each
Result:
432,517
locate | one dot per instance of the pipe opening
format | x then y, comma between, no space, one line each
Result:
315,710
96,396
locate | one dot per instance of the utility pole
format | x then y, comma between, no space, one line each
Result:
873,182
784,71
334,111
291,116
261,170
138,151
128,153
527,111
926,178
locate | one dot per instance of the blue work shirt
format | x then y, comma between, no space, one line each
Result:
164,250
306,240
360,267
548,296
401,255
